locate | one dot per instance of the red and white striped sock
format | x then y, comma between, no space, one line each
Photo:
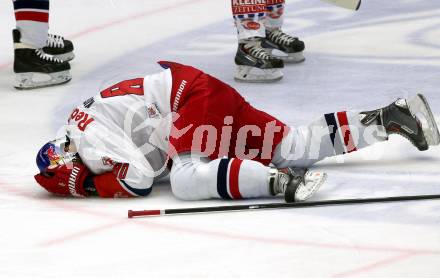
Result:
32,19
238,179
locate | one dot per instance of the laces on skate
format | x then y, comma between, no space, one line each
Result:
40,53
55,41
279,37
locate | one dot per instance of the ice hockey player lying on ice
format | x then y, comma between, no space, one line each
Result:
117,143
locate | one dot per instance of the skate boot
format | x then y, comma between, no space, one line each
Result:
59,47
35,69
410,118
283,46
255,64
296,184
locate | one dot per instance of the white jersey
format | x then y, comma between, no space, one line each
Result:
125,129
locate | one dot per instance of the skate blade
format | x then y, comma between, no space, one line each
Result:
256,75
34,80
419,107
66,57
312,182
290,58
294,58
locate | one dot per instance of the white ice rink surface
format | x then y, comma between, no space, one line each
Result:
355,60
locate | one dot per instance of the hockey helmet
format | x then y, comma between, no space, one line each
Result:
56,152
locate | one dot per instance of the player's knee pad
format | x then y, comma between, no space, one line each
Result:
194,180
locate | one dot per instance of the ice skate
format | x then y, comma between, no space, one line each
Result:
255,64
35,69
410,118
59,47
296,184
283,46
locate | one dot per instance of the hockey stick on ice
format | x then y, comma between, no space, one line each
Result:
348,4
139,213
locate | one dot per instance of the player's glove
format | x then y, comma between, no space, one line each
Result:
65,180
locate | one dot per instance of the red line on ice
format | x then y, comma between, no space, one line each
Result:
80,234
402,253
384,249
60,202
377,264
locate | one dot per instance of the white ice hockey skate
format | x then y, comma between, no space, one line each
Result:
312,181
297,185
419,107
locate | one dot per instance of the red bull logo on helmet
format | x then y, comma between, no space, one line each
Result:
52,155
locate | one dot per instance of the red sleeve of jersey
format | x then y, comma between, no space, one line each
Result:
108,186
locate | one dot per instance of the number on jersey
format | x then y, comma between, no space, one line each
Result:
126,87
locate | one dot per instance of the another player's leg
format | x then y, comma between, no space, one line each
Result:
286,47
32,66
254,63
32,21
